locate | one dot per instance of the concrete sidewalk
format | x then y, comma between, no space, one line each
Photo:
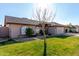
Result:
28,39
3,39
72,34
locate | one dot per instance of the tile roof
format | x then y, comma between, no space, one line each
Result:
11,19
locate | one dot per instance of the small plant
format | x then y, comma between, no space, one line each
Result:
41,32
29,32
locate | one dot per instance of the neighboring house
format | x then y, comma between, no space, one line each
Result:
77,28
72,29
17,26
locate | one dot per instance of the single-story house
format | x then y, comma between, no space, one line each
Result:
77,28
72,29
17,26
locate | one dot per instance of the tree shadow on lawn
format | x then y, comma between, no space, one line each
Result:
9,41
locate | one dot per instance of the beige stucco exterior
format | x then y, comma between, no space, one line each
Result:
77,28
14,30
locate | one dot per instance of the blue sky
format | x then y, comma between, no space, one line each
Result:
66,13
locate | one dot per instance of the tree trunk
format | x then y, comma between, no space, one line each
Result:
45,45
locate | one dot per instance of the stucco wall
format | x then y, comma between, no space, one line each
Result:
77,29
14,30
33,27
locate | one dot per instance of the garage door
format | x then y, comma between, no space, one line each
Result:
60,30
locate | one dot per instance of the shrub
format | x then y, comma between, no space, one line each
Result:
41,32
29,32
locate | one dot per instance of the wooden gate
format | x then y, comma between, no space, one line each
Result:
4,32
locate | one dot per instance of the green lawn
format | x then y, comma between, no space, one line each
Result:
56,46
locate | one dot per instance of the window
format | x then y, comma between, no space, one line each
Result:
37,29
23,29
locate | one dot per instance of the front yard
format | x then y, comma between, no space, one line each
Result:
56,46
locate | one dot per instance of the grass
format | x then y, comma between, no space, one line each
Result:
56,46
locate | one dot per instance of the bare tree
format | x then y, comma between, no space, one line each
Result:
44,16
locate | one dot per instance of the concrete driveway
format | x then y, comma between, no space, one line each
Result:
72,34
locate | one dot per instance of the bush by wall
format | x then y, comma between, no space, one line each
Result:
41,32
29,32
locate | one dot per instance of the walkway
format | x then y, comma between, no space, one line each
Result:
35,38
72,34
28,39
3,39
